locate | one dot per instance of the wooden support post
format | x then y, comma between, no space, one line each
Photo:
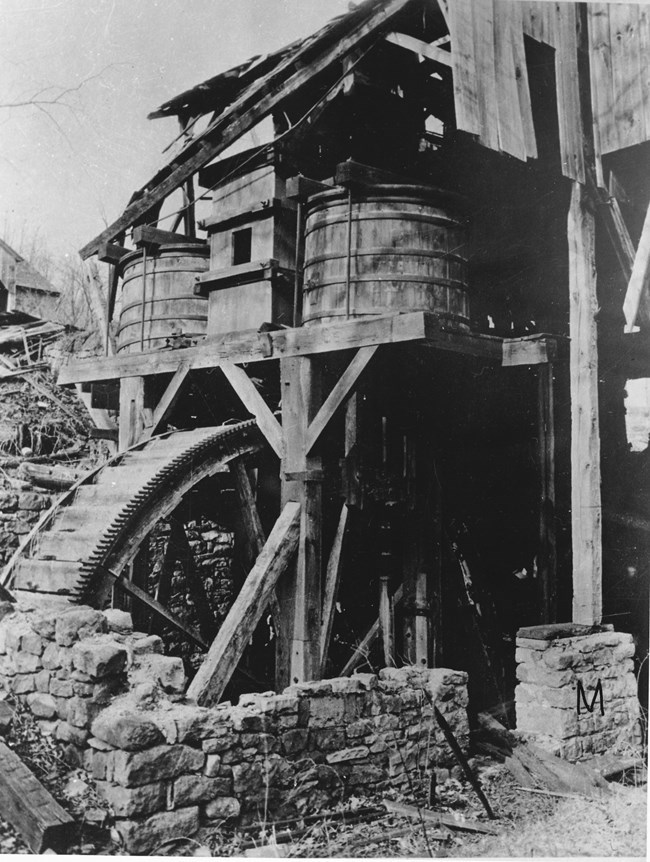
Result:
301,394
547,554
131,422
138,574
637,297
213,675
351,464
585,438
361,652
252,524
332,579
415,559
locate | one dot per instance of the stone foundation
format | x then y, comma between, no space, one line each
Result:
166,765
551,662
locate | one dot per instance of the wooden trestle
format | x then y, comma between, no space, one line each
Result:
307,592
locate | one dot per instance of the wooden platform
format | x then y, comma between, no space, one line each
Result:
253,346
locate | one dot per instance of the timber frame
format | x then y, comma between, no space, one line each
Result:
533,103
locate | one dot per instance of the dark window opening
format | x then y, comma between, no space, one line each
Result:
241,245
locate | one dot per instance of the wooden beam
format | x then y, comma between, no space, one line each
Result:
256,102
332,579
110,252
361,651
255,404
637,297
529,350
585,437
251,522
31,809
424,49
153,236
253,346
131,418
168,400
339,394
202,607
212,677
547,555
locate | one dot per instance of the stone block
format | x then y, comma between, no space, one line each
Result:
294,741
212,765
81,712
132,769
62,687
8,501
23,683
248,778
360,728
26,662
192,789
7,715
222,808
328,739
219,744
52,658
42,681
141,645
247,721
144,835
327,710
32,502
130,731
166,671
359,752
118,621
134,801
186,723
78,623
66,732
42,705
99,658
43,622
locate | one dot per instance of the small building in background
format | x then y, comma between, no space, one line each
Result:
23,288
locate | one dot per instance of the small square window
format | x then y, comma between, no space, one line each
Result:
241,245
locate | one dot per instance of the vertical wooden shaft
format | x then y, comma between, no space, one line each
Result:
351,450
416,559
301,590
547,555
131,422
585,437
139,574
385,622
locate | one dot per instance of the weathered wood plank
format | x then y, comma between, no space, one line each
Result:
227,648
338,395
488,97
536,21
507,31
332,579
585,438
255,103
169,398
637,296
255,404
131,418
568,92
31,809
602,86
626,78
253,346
417,46
547,555
521,79
466,96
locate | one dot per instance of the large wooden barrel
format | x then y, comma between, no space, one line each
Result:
170,306
407,252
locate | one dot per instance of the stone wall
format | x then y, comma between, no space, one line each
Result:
552,661
166,765
20,509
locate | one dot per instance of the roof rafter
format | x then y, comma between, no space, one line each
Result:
258,100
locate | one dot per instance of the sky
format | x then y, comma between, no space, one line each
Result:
68,169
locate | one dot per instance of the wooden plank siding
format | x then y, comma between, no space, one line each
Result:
619,49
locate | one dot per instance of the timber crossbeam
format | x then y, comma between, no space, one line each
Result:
253,346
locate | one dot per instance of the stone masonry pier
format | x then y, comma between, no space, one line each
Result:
555,664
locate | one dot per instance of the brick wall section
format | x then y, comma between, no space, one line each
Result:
19,511
167,765
551,661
